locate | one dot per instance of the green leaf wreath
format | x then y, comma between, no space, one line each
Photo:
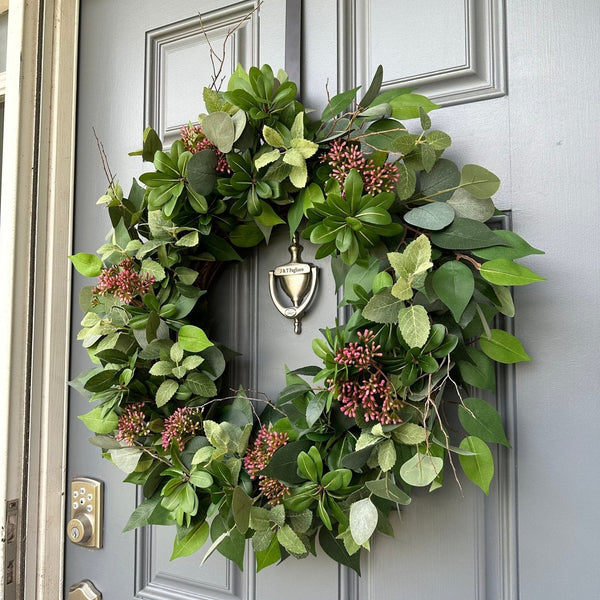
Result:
347,439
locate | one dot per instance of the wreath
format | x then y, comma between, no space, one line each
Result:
392,402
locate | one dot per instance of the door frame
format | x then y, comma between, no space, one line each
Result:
36,224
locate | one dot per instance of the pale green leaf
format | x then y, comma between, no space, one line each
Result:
383,307
363,520
153,269
409,434
414,325
289,539
193,339
272,137
220,130
467,206
166,391
479,181
386,455
97,423
432,216
421,469
89,265
126,459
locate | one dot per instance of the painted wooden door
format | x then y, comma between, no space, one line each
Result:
144,63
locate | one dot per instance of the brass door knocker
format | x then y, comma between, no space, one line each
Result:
298,280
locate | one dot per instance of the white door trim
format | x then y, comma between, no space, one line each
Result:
37,198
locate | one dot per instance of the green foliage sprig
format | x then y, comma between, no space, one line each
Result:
426,276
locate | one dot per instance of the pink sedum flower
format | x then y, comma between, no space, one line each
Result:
179,426
132,424
344,156
367,388
258,456
123,282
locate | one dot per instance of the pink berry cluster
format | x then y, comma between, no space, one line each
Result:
123,281
258,456
366,386
180,425
194,140
359,354
132,424
344,156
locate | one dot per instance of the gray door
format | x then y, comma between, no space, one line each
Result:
144,62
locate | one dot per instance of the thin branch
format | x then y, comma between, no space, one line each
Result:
217,60
109,176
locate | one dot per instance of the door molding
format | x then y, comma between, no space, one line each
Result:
37,199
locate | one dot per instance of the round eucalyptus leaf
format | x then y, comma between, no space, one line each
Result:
433,216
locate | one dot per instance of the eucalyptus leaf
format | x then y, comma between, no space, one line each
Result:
432,216
220,130
421,469
469,207
478,181
363,520
466,234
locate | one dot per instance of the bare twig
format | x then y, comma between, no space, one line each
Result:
109,176
217,60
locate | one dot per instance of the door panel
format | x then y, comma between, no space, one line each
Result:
145,62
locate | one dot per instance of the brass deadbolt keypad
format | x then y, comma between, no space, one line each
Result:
85,526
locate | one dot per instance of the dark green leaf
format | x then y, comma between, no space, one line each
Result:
481,419
240,505
284,463
466,234
374,88
338,103
518,247
407,181
479,371
384,488
201,172
102,381
454,283
444,177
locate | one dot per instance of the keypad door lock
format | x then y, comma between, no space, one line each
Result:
85,526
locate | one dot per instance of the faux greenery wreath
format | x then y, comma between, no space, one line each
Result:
425,277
